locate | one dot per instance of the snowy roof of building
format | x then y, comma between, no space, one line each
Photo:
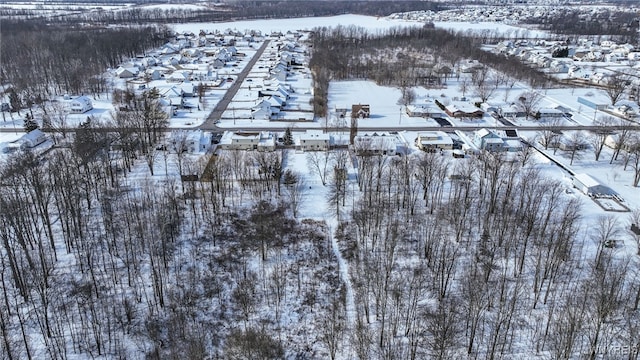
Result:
587,180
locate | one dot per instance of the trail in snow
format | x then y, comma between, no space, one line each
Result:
343,267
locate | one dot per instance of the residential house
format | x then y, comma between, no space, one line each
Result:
81,104
376,144
424,110
188,89
627,109
434,140
360,111
32,139
245,140
549,114
178,76
191,141
217,64
512,111
313,140
485,139
463,110
264,109
279,73
126,73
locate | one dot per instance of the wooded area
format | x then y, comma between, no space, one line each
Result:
40,61
490,262
235,10
405,57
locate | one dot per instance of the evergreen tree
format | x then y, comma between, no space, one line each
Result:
29,123
288,138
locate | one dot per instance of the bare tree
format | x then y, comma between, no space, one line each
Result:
319,164
294,190
333,326
634,159
548,136
616,85
463,85
598,137
482,84
528,101
443,326
622,135
634,227
574,145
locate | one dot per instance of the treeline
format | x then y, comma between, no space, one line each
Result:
622,25
40,60
236,11
402,57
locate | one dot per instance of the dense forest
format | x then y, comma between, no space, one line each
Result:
236,10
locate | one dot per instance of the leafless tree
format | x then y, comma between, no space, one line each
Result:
442,327
333,326
634,158
607,284
574,145
548,136
252,344
621,137
482,84
528,102
634,226
319,164
616,85
294,190
598,137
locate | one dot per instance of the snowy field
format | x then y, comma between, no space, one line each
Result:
369,23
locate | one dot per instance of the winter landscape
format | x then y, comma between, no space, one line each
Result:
316,180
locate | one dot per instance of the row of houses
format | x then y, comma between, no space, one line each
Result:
482,139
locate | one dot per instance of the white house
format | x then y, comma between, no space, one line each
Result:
33,138
549,113
313,140
376,144
192,141
245,140
126,73
264,110
488,140
81,104
434,140
511,111
424,110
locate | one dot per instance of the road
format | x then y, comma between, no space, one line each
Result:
222,105
298,127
